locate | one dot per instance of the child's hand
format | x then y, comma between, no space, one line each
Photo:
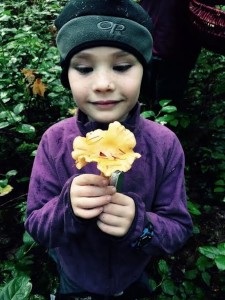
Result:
117,216
89,193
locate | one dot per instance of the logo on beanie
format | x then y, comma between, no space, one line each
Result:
111,27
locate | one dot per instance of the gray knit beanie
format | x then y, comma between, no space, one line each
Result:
90,23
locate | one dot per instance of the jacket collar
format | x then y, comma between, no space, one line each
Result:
131,123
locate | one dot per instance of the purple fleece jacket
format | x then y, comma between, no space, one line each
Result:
95,261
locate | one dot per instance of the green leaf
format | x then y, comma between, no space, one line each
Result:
168,287
33,153
209,251
10,173
193,209
167,118
203,263
18,108
53,95
6,190
148,114
218,155
220,182
27,239
18,288
163,267
4,18
162,120
206,278
220,122
4,124
220,262
219,190
4,114
25,128
192,274
174,122
221,248
23,179
164,102
196,229
188,286
169,109
3,182
152,284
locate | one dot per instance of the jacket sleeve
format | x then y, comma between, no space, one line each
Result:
50,219
169,214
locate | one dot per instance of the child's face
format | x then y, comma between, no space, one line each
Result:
105,82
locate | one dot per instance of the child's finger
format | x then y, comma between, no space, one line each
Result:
90,203
91,179
93,191
88,213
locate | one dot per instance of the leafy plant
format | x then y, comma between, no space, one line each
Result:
217,254
32,98
6,188
18,288
172,290
168,115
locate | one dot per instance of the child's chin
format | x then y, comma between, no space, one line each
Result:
107,119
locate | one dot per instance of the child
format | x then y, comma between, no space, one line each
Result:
103,239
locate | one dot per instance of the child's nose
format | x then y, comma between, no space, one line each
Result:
103,83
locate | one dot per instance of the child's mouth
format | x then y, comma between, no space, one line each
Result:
106,103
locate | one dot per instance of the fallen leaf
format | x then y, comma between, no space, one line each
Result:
39,88
29,75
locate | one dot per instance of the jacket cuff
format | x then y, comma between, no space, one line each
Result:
139,222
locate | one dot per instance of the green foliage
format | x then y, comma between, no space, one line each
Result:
25,115
18,268
171,290
18,288
27,42
194,208
5,188
201,130
19,264
165,115
168,115
207,93
217,254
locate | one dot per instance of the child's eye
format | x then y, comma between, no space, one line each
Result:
83,69
122,68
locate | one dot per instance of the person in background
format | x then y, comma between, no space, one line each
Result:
102,237
175,50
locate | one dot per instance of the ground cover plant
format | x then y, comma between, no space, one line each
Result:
32,98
